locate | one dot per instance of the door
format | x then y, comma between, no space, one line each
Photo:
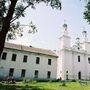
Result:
79,75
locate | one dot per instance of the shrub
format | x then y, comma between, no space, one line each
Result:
23,88
43,80
26,85
34,82
8,87
1,86
63,84
73,80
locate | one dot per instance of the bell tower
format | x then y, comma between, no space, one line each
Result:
84,40
65,38
64,45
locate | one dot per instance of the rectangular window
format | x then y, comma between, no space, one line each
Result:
49,61
14,57
36,73
37,60
78,58
89,60
11,71
25,58
48,74
4,55
23,72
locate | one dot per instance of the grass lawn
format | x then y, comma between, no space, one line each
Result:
56,86
48,86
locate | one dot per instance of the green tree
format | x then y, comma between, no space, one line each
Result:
87,12
10,10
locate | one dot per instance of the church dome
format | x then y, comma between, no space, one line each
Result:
64,25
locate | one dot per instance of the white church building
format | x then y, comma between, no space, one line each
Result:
70,62
74,61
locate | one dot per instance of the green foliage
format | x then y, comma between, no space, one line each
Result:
19,10
46,86
7,87
1,86
2,7
32,28
22,5
17,30
64,84
87,12
11,87
10,10
73,80
56,86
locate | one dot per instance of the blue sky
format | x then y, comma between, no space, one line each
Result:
49,23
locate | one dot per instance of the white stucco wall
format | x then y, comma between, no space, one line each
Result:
69,60
30,65
65,41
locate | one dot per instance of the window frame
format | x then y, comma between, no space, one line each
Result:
79,58
23,72
36,74
14,56
11,71
49,61
4,56
48,74
25,57
89,60
37,60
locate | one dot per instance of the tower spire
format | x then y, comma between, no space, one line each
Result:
65,38
65,27
84,39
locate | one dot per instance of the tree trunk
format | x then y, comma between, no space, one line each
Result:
2,41
5,28
6,24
